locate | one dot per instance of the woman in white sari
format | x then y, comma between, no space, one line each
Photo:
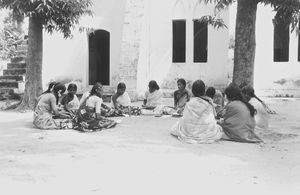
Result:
198,124
153,100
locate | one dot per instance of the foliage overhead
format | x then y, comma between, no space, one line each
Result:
287,10
10,37
58,15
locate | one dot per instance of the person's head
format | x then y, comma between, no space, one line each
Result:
50,87
153,86
58,90
181,84
72,89
198,88
248,92
97,90
121,88
210,92
233,92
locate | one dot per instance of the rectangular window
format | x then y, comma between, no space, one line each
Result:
179,39
281,43
200,41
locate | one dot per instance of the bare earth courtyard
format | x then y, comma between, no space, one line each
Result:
140,157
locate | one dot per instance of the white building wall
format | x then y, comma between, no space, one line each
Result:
161,68
267,71
68,58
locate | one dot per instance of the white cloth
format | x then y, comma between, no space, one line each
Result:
74,104
154,98
84,96
94,102
123,100
262,116
198,123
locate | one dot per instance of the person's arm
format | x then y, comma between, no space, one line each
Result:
55,109
114,100
83,98
175,100
98,108
64,103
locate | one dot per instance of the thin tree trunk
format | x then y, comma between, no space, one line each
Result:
244,52
33,81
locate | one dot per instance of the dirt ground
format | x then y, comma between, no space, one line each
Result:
140,157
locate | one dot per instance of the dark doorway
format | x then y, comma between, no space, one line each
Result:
99,47
179,40
200,41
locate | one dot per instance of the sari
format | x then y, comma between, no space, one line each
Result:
154,99
198,123
262,116
43,116
72,105
86,121
180,99
124,105
238,124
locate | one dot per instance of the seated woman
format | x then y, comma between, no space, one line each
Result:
153,99
181,96
210,94
239,123
198,124
121,101
88,117
105,110
46,109
262,116
70,102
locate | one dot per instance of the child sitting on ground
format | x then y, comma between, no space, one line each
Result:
70,102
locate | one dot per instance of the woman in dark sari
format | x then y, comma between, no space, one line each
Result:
239,123
88,117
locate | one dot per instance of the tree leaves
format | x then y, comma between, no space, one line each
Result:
58,15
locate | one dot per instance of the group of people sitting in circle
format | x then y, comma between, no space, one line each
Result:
203,115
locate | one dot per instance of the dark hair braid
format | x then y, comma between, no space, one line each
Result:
233,92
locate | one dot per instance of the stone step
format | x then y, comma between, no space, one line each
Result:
9,84
18,59
17,71
4,90
12,78
16,65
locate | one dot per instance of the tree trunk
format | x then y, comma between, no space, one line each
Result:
33,80
244,52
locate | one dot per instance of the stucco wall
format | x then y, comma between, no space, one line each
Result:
69,58
159,38
266,71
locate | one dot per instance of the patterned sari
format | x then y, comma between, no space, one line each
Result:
44,119
86,121
124,106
